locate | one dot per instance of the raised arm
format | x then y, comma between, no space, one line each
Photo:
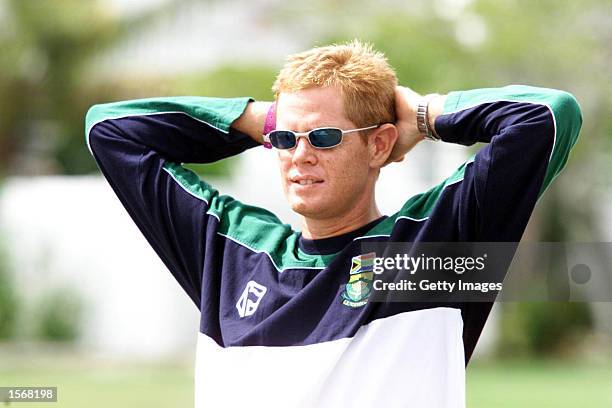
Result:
529,133
140,145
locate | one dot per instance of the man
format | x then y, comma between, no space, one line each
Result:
280,325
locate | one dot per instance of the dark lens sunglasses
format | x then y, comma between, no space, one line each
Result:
321,138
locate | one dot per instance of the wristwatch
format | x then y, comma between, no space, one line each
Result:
423,118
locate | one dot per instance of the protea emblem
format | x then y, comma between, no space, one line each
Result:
359,286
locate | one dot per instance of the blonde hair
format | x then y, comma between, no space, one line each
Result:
364,77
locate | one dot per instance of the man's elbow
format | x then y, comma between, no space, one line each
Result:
568,107
94,115
567,117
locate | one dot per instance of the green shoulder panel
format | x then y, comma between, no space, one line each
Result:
563,106
217,112
419,207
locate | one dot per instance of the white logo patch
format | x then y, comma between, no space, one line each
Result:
247,305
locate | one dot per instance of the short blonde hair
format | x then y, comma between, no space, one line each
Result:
365,79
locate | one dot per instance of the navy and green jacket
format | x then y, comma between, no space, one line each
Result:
274,329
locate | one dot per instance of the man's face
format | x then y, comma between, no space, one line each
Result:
338,178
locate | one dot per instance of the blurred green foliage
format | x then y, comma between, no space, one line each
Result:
58,315
555,328
46,84
45,87
8,299
544,329
229,81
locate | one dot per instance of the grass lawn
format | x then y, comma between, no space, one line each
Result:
94,383
535,383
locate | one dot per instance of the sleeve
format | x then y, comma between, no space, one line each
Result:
529,133
139,147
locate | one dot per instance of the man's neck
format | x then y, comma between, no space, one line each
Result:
352,220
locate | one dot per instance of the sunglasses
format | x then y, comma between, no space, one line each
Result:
321,138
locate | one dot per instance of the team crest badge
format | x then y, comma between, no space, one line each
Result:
359,286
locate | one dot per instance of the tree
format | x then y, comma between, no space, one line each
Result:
45,87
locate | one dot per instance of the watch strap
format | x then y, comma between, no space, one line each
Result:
422,117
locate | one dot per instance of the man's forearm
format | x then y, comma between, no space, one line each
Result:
180,129
252,120
530,128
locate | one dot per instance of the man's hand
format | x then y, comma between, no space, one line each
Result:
406,102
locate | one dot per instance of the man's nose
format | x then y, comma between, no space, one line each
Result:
303,151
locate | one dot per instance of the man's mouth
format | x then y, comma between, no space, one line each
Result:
306,180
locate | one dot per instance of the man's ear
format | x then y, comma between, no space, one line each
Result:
380,144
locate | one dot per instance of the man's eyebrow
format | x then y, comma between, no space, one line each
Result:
309,128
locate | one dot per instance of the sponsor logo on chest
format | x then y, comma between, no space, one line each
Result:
250,298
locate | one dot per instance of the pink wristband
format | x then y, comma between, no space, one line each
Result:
270,123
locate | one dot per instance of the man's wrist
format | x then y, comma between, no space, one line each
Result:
252,120
422,117
435,109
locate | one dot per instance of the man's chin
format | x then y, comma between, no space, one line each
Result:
307,209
